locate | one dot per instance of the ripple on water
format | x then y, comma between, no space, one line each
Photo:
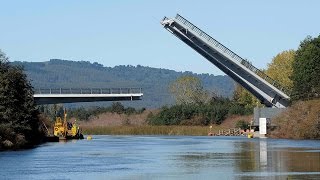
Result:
165,157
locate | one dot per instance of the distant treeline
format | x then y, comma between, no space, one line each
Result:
212,112
116,107
58,73
84,114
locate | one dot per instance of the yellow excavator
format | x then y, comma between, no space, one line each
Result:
66,130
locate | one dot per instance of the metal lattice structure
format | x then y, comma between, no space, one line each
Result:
266,89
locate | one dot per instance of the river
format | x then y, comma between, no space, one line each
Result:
165,157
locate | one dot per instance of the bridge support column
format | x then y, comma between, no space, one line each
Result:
266,113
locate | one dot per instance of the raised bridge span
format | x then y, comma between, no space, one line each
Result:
72,95
268,91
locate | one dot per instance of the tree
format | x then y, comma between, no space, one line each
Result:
280,69
52,111
19,123
117,107
188,90
242,124
245,98
306,69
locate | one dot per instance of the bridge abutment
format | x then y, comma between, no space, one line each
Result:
265,114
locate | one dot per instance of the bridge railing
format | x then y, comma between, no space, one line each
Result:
88,91
226,50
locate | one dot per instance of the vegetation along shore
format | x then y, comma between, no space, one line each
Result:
189,107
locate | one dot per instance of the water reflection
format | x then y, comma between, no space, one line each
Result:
166,157
255,159
261,160
247,156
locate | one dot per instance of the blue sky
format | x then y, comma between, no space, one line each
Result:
128,32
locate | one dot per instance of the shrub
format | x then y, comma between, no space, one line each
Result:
117,107
214,112
238,109
300,121
242,124
85,114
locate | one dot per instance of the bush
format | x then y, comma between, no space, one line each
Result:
117,107
238,109
214,112
130,110
242,124
195,121
300,121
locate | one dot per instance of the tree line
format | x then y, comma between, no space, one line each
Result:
215,111
196,106
58,73
21,125
296,70
84,114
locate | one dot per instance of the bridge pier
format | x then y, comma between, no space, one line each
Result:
266,114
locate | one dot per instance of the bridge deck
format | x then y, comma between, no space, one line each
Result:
55,96
267,90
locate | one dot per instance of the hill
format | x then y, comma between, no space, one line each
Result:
58,73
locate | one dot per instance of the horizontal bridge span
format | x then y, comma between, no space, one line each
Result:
55,96
87,90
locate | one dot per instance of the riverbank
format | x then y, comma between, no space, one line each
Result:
148,130
114,124
300,121
21,136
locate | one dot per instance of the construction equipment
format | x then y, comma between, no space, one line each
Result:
66,130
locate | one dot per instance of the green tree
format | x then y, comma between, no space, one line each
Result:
306,69
245,98
117,107
19,123
280,69
242,124
188,90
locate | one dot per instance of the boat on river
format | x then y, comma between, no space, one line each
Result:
65,130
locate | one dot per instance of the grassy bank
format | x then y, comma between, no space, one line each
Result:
149,130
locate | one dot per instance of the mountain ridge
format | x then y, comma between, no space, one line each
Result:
58,73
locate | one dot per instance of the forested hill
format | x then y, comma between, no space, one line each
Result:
58,73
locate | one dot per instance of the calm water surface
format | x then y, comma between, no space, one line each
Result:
165,157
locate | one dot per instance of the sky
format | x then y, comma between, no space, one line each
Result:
128,32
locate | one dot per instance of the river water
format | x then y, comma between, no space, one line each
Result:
165,157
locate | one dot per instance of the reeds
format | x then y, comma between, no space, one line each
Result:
149,130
